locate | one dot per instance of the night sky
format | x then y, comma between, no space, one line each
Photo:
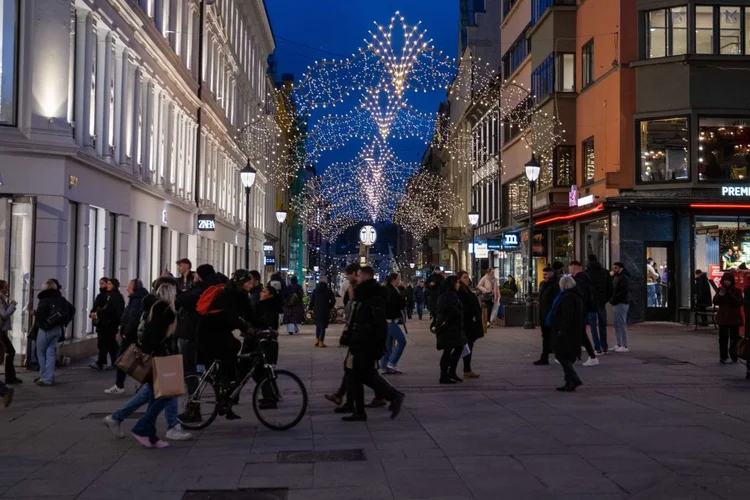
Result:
310,30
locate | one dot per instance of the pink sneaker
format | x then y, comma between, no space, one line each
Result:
143,441
161,444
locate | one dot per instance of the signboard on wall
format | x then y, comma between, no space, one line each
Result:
270,260
481,251
511,241
206,222
494,244
715,273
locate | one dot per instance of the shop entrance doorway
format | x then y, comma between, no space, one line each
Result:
659,277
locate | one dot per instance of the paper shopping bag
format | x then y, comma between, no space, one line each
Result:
169,379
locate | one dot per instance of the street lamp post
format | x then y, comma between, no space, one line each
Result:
532,174
281,217
474,221
247,177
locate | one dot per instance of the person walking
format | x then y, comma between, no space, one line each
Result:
160,321
7,309
730,302
294,311
601,283
108,319
420,297
567,323
409,296
186,277
368,332
548,292
620,304
586,289
703,296
473,328
395,343
51,316
434,287
321,303
131,319
449,330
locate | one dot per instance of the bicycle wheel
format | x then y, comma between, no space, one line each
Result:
201,407
280,403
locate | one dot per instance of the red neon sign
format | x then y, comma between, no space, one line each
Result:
597,208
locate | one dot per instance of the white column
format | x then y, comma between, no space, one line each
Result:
171,138
148,115
90,50
127,107
121,89
136,124
102,90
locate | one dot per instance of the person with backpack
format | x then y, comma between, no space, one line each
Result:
585,288
129,323
108,319
52,315
294,310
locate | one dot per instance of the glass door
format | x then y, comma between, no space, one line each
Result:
659,277
18,251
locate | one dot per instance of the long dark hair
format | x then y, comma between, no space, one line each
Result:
450,283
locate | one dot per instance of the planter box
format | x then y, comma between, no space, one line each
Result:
515,314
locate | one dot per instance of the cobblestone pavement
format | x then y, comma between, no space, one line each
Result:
665,421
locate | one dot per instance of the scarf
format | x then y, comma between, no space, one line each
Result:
555,303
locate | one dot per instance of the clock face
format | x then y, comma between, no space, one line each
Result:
368,235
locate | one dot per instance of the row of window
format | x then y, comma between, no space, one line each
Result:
717,29
517,53
540,7
555,74
722,149
485,199
485,140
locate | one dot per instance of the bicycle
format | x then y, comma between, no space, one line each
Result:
275,390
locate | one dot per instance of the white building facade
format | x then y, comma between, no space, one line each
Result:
110,153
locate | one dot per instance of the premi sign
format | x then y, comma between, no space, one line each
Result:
735,190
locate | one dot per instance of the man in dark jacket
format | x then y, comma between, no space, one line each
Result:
409,296
131,319
108,323
321,303
256,287
186,278
548,291
420,297
369,330
601,283
585,288
703,294
620,304
434,286
729,317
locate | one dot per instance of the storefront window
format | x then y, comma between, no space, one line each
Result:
721,243
596,240
664,153
704,30
562,244
518,197
8,61
723,149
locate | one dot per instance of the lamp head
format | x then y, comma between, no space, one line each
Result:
533,169
281,215
473,217
247,175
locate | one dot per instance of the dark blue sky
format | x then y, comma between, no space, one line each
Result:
310,30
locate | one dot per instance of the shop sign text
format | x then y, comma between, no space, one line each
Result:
736,191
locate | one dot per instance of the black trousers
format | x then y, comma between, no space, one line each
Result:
570,373
449,361
546,342
189,351
467,359
363,373
10,356
107,344
587,345
728,338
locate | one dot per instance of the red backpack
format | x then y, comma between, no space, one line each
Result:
206,300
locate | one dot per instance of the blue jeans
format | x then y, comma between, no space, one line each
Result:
599,335
144,396
146,425
46,351
393,354
420,309
651,294
320,333
621,324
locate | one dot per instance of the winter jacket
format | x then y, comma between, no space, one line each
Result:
49,302
472,314
512,286
568,324
368,328
294,310
434,286
449,326
255,295
215,337
621,288
703,290
586,291
6,313
265,315
409,296
730,301
188,320
185,283
131,318
395,304
321,303
601,282
419,295
548,290
110,314
157,328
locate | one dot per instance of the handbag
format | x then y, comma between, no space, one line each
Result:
169,377
743,349
135,363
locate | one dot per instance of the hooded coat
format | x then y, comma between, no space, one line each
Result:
568,325
730,303
472,314
131,318
368,328
449,326
702,290
321,302
49,301
110,314
294,310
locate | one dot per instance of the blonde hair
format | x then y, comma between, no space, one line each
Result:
567,282
49,285
165,293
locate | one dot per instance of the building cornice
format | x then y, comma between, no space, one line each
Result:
261,14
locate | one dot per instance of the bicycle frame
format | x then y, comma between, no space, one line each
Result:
214,368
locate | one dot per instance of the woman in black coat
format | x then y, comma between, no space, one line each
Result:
321,303
472,319
108,317
566,322
449,329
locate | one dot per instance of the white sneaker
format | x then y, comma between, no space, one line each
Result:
114,426
114,390
177,434
623,349
393,369
591,362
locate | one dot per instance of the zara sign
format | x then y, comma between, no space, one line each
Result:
368,236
